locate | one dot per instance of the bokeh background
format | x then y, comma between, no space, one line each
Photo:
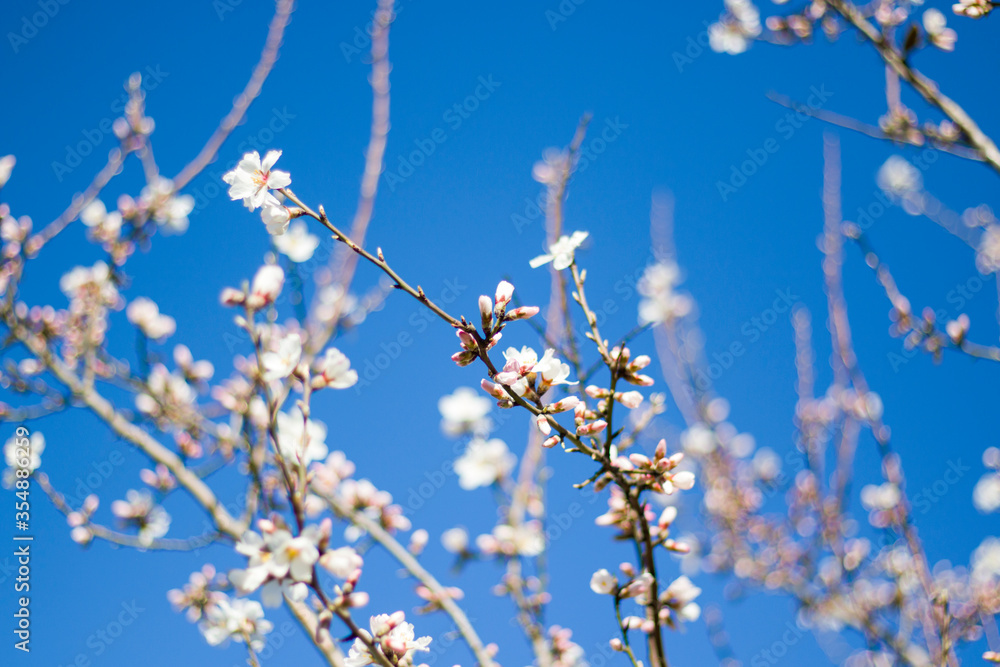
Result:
685,117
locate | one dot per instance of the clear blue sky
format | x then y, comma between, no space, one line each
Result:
681,125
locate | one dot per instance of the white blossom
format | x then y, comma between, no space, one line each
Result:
334,370
880,497
6,167
300,439
662,303
297,244
393,635
275,217
680,594
455,540
603,582
35,447
170,210
552,370
484,462
266,285
974,9
341,562
465,411
94,282
252,179
988,251
282,362
237,618
140,510
736,29
145,314
898,177
986,494
698,440
561,252
938,34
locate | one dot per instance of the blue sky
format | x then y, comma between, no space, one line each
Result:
678,118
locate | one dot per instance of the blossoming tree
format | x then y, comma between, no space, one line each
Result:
584,396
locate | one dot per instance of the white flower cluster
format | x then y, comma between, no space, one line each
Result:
393,636
252,181
736,28
141,511
661,302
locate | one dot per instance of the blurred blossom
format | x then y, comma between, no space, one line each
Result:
301,439
988,251
393,636
974,9
235,618
334,370
698,440
736,28
145,314
455,540
986,494
941,36
880,497
465,411
898,177
341,562
281,362
252,179
561,252
168,209
603,582
662,303
36,445
140,511
297,243
6,167
551,169
484,462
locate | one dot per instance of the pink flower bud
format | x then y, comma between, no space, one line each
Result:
494,390
522,313
661,449
639,460
593,428
232,297
504,293
616,644
564,404
357,599
467,341
684,480
595,392
486,312
542,423
630,399
463,358
266,286
641,380
551,442
639,362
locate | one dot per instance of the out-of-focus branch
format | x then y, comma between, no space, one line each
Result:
927,88
269,55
